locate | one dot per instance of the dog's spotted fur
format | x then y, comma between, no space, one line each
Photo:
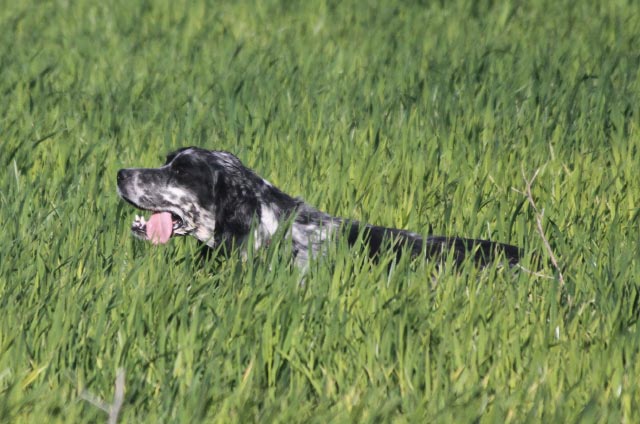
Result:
215,198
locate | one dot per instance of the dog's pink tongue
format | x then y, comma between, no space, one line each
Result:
159,227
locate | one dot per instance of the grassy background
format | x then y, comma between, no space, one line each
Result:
420,115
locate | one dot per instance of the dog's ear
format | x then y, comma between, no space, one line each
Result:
173,154
236,204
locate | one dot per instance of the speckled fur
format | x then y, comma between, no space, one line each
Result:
221,202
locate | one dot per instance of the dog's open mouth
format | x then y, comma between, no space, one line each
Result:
158,228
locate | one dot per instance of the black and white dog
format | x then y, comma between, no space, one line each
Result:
212,196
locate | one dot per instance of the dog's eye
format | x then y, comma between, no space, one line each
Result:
179,168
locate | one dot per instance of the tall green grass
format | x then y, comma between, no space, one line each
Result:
419,115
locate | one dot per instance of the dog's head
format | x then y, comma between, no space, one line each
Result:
207,194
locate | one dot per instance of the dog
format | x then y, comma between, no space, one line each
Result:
212,196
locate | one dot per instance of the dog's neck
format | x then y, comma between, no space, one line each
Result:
308,227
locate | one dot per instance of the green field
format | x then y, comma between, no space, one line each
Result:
425,115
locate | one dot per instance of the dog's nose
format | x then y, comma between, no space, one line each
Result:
122,175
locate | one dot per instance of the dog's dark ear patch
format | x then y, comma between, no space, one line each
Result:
172,155
236,207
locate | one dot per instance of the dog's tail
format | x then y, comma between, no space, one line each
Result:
483,252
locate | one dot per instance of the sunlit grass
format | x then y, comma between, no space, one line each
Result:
423,117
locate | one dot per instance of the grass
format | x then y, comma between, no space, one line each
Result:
420,115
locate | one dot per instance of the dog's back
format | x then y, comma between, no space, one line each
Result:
482,252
